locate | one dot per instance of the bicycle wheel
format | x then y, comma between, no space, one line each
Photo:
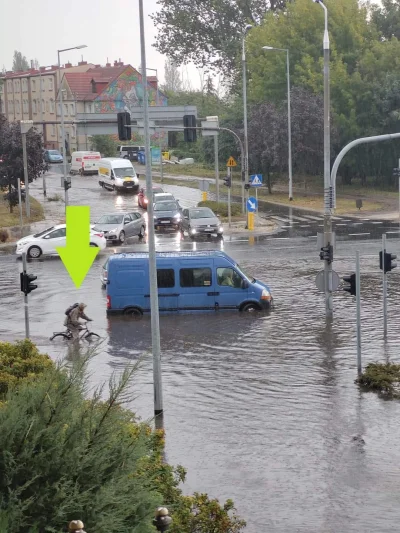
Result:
62,334
91,335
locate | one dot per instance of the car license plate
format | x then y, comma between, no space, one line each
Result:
127,179
164,221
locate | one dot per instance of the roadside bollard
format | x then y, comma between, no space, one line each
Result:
162,520
76,526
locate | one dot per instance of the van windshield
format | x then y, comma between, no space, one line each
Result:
124,172
245,273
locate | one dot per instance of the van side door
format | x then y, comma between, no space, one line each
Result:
167,290
231,288
196,286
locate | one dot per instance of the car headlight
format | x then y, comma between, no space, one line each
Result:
177,216
220,229
112,231
155,216
265,295
193,231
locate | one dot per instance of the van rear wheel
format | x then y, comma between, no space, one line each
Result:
133,312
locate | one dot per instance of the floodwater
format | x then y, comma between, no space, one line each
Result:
261,409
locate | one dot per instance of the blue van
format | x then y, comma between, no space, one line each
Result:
187,281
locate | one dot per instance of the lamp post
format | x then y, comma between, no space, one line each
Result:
160,139
289,118
62,120
42,122
246,141
328,196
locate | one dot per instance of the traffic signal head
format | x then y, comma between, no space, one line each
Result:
326,253
351,280
189,132
228,181
124,119
26,283
389,262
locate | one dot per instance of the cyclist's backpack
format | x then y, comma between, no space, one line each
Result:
70,308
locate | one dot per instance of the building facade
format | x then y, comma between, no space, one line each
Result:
86,88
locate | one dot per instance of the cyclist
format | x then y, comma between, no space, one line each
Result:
72,320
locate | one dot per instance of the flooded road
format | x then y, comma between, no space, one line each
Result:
261,409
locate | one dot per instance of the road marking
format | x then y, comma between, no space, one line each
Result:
314,218
376,222
305,225
340,224
355,234
357,223
281,238
396,231
279,218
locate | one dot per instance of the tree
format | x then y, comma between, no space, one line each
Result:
386,17
12,166
172,76
104,144
19,62
207,32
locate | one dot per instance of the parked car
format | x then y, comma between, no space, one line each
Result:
129,152
186,281
167,215
53,156
117,175
200,221
164,197
46,242
117,227
142,198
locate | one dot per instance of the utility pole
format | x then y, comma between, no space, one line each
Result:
155,318
216,158
43,126
358,302
25,127
26,308
384,285
246,140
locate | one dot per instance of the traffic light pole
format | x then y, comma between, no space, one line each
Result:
229,197
25,299
358,302
384,283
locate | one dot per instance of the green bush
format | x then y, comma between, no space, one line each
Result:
20,361
4,235
221,208
64,456
381,377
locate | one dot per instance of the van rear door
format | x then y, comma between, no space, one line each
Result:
196,285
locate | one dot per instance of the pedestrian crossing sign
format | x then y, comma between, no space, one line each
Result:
256,180
231,162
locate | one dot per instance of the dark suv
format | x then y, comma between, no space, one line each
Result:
167,215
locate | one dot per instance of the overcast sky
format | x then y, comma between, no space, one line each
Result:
111,31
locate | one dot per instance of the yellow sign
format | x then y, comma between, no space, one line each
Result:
231,162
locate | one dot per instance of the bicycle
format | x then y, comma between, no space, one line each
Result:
85,334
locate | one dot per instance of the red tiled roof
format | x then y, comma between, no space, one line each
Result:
80,83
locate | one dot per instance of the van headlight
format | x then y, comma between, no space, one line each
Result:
266,295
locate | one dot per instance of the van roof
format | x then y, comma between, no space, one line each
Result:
117,161
169,255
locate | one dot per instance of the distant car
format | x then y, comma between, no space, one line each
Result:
119,226
53,156
164,197
167,215
142,198
104,274
197,221
46,242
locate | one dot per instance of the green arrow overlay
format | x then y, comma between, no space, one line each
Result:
78,255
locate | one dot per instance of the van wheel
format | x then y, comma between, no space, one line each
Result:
134,312
250,308
81,172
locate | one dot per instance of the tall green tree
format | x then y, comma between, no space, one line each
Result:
19,62
207,32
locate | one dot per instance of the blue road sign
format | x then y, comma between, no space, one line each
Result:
256,180
251,204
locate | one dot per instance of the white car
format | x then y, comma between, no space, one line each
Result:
46,242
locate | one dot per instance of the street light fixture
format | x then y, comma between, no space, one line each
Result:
247,28
328,192
289,118
62,119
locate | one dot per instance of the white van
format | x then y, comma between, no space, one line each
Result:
117,174
84,162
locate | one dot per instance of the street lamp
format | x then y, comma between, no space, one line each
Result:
328,196
62,119
246,141
289,117
160,138
42,121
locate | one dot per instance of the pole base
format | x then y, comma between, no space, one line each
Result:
290,198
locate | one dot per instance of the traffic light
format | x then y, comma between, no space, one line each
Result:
124,119
247,186
189,133
351,288
26,283
389,262
326,253
228,181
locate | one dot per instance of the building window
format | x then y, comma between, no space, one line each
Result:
50,84
9,85
47,106
33,85
34,106
58,109
165,278
25,106
11,105
17,107
52,106
73,131
72,109
24,86
53,130
65,109
195,277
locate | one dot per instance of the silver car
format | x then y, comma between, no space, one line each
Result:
117,227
